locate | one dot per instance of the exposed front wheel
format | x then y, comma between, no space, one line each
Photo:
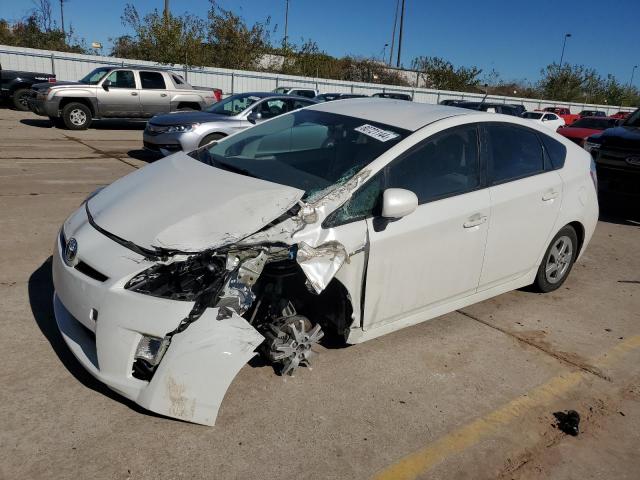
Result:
21,99
558,260
214,137
76,116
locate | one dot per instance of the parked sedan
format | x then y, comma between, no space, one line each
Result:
349,219
582,129
330,97
549,120
190,130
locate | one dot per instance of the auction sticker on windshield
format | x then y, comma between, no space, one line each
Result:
377,133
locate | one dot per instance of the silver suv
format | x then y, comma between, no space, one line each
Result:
117,93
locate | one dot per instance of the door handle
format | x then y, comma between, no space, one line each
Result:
163,94
550,195
474,221
135,94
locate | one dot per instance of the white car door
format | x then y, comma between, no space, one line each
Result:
434,255
525,202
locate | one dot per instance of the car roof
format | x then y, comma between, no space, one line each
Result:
395,113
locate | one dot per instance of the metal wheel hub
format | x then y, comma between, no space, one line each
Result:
559,259
78,117
290,342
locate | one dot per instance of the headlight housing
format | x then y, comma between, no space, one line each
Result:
182,128
589,146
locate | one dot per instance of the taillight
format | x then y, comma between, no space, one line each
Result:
594,174
217,93
51,79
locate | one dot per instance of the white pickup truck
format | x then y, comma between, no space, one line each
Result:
117,92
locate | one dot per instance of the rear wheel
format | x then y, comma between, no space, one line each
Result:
20,99
76,116
557,261
214,137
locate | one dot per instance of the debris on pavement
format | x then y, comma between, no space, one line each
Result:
568,422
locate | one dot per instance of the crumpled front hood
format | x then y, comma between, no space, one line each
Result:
179,203
188,118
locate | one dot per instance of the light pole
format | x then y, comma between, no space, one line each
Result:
564,44
286,25
633,70
384,52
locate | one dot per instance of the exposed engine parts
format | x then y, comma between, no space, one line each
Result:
257,281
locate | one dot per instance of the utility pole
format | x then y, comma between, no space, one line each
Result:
393,35
564,43
400,35
166,10
286,25
633,70
62,15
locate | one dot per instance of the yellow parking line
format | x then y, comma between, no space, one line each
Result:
424,459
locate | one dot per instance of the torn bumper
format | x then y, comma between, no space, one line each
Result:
196,370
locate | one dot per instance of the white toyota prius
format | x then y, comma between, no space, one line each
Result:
345,220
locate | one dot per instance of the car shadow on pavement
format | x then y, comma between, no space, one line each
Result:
41,300
144,155
621,211
105,124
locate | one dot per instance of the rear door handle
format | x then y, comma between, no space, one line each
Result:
134,94
550,195
163,94
474,221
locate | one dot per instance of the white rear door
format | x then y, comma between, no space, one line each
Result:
525,202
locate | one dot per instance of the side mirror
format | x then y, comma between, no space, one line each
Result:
398,203
106,84
254,117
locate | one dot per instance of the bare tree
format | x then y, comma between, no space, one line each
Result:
42,12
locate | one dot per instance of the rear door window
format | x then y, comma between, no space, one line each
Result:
513,152
555,151
152,81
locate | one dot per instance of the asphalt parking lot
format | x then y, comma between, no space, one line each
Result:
467,395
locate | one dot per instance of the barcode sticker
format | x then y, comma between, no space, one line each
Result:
377,133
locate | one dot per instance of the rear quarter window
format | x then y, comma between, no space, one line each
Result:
555,151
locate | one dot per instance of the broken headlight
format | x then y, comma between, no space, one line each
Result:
148,354
182,280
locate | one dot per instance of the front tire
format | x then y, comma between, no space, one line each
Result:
76,116
557,261
20,99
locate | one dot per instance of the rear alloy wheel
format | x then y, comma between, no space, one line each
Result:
558,260
76,116
214,137
21,99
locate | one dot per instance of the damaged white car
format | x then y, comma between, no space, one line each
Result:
346,219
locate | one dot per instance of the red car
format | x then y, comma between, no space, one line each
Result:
563,113
582,129
620,115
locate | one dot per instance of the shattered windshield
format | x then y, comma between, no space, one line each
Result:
94,76
233,105
309,150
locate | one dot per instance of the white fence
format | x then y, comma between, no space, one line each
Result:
72,66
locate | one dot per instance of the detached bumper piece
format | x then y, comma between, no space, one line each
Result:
194,374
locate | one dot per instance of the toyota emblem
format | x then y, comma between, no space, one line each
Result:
71,250
633,161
